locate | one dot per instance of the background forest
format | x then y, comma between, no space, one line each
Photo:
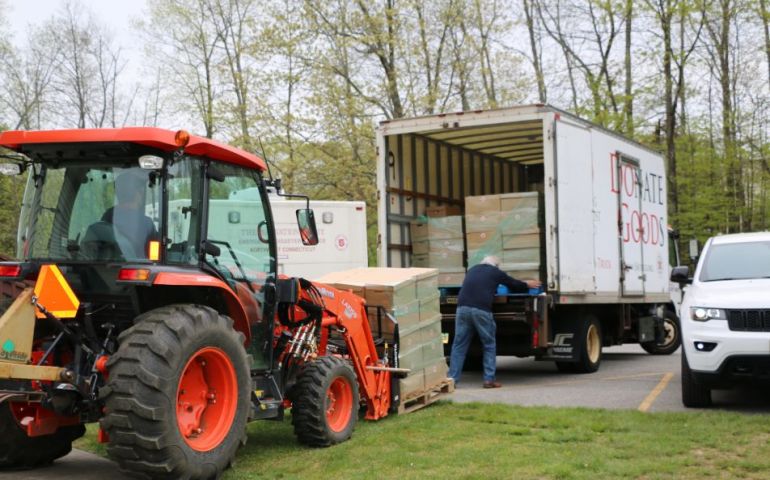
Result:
309,81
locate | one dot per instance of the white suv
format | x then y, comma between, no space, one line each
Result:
725,316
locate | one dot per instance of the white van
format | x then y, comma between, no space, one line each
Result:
725,316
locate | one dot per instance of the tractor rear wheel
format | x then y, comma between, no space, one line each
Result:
325,402
178,394
17,450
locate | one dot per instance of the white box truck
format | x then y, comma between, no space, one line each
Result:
342,241
604,239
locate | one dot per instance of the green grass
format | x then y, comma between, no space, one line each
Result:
487,441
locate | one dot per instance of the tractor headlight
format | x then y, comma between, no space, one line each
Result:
703,314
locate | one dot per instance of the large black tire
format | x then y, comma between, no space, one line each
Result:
145,394
694,394
589,342
672,339
315,406
17,450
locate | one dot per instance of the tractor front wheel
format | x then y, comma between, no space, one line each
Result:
325,402
178,394
17,450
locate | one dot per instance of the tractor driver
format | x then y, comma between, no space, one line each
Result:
127,216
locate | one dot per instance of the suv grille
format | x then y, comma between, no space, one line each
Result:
749,320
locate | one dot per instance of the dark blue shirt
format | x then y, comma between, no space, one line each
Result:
480,286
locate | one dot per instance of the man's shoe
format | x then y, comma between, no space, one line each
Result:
492,385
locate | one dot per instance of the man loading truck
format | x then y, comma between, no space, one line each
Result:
474,312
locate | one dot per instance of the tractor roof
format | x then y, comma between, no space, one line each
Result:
22,140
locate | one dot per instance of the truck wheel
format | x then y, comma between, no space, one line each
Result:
589,342
17,450
325,402
672,338
178,394
694,395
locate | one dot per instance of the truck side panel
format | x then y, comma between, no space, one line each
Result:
575,208
638,197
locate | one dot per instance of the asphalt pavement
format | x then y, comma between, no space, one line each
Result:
628,378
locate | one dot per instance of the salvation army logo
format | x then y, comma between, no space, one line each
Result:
341,242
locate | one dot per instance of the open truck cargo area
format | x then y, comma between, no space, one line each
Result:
600,234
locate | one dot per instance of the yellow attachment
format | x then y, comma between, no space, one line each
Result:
54,293
17,329
30,372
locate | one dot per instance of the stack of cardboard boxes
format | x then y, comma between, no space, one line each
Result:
437,242
406,298
507,226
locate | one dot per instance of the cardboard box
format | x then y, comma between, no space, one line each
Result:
522,271
451,279
412,385
528,240
435,228
435,374
482,204
520,221
430,329
488,240
430,307
410,338
522,255
482,222
426,281
389,288
512,201
443,210
407,315
448,245
411,358
441,260
432,351
420,247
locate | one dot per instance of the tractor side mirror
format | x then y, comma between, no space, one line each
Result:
307,229
681,275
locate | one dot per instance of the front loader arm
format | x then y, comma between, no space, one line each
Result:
346,312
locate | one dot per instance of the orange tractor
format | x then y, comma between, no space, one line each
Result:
172,335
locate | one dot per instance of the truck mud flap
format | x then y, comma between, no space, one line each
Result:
565,346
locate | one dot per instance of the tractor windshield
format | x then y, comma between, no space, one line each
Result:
90,211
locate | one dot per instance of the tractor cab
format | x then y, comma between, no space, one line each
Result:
130,223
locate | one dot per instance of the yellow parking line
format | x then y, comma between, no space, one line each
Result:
647,403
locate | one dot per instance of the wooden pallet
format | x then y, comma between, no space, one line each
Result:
416,402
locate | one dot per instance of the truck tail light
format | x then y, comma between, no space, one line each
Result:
10,271
535,331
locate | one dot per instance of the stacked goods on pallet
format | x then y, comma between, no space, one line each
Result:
522,217
482,221
437,242
409,297
506,226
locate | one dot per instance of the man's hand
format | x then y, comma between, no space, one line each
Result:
534,283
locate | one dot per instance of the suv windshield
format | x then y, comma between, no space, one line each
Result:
90,211
736,261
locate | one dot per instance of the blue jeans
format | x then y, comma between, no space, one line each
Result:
468,320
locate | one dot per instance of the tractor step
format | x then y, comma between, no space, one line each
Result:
427,397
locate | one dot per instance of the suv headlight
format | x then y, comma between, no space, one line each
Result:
703,314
